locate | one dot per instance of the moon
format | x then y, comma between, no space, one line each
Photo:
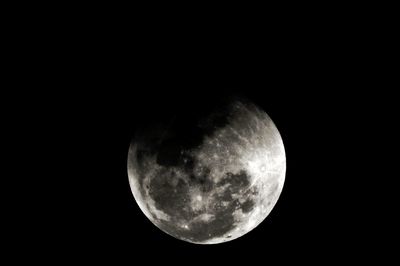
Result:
209,176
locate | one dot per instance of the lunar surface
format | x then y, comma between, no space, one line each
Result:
210,177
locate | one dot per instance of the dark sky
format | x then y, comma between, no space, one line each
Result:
83,124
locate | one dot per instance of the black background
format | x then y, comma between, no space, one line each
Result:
96,85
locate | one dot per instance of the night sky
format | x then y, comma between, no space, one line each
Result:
86,211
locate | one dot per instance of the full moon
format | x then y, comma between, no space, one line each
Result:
211,175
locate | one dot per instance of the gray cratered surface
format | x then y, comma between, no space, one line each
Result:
211,179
